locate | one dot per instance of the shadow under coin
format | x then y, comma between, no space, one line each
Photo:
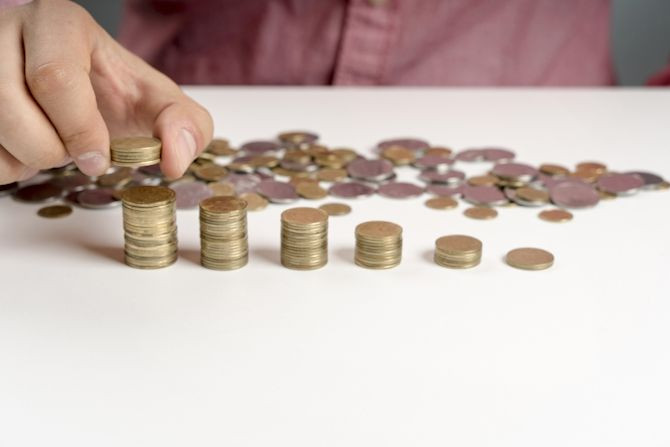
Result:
429,256
345,254
190,254
266,254
114,253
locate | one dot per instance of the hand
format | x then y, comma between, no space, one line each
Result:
65,85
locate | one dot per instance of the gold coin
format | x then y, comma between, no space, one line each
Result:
530,258
254,201
554,170
588,175
377,229
331,174
556,215
311,191
304,216
604,195
135,151
336,209
345,154
399,155
223,204
54,211
480,213
532,194
263,161
295,181
483,180
594,166
458,244
222,189
439,151
210,172
148,195
663,185
220,147
441,203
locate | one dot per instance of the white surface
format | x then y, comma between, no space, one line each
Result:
95,353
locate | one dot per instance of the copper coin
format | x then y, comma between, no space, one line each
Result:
413,144
298,138
255,202
591,166
222,189
451,178
243,183
72,181
41,192
220,147
651,181
434,162
530,258
528,194
620,184
277,192
574,195
471,155
311,191
555,215
259,147
554,170
441,151
331,174
336,209
399,155
515,171
54,211
441,203
483,180
370,170
351,190
484,195
210,172
399,190
480,213
97,198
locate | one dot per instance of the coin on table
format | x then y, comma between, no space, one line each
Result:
620,184
277,192
484,195
72,181
376,170
663,185
483,180
528,258
470,155
450,178
135,151
413,144
336,209
98,198
651,181
298,138
574,195
517,172
435,162
117,178
555,215
351,190
480,213
441,203
594,166
331,174
399,190
255,202
260,148
222,189
532,195
55,211
398,155
220,147
554,170
444,190
40,192
498,155
311,191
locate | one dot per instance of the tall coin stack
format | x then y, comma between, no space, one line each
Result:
458,251
223,233
150,226
304,238
378,245
135,151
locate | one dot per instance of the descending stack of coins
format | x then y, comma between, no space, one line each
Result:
150,226
458,251
135,151
378,245
304,238
223,233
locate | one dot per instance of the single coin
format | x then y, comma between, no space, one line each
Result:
534,195
450,178
483,180
277,192
55,211
295,181
434,162
311,191
148,195
413,144
304,216
514,171
6,190
72,181
97,198
255,202
210,172
190,194
223,204
574,195
336,209
484,195
555,215
399,155
444,190
346,154
331,174
378,229
480,213
530,258
40,192
351,190
441,151
554,170
370,170
498,155
441,203
259,147
298,138
620,184
135,151
399,190
591,166
651,181
220,147
471,155
222,189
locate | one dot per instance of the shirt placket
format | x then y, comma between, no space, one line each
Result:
367,39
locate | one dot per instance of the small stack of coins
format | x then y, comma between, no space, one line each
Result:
304,238
458,251
150,226
223,233
135,151
378,245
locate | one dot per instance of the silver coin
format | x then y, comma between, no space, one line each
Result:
451,178
651,181
72,181
484,195
190,194
435,162
351,190
260,147
413,144
510,193
6,190
498,155
97,198
620,184
471,155
376,170
515,171
243,183
399,190
444,190
277,192
574,195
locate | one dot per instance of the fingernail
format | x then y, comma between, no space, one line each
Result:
186,144
92,163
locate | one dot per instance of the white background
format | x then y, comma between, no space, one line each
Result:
95,353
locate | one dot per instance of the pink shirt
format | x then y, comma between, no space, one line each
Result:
374,42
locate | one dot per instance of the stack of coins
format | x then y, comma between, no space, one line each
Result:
457,251
150,226
304,238
223,233
135,151
378,245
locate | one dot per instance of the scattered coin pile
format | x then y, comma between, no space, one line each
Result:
378,245
150,227
304,238
458,251
223,233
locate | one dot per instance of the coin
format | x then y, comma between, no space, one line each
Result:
471,155
144,196
532,196
480,213
331,174
458,251
378,245
117,178
530,258
595,166
40,192
514,172
336,209
451,178
399,190
72,181
350,190
370,170
210,172
277,192
483,180
620,184
222,189
311,191
556,215
254,201
484,195
298,138
498,155
651,181
190,194
259,147
444,190
574,195
399,155
54,211
554,170
97,198
135,151
413,144
435,162
441,203
243,183
220,147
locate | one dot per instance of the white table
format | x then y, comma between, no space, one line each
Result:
94,353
